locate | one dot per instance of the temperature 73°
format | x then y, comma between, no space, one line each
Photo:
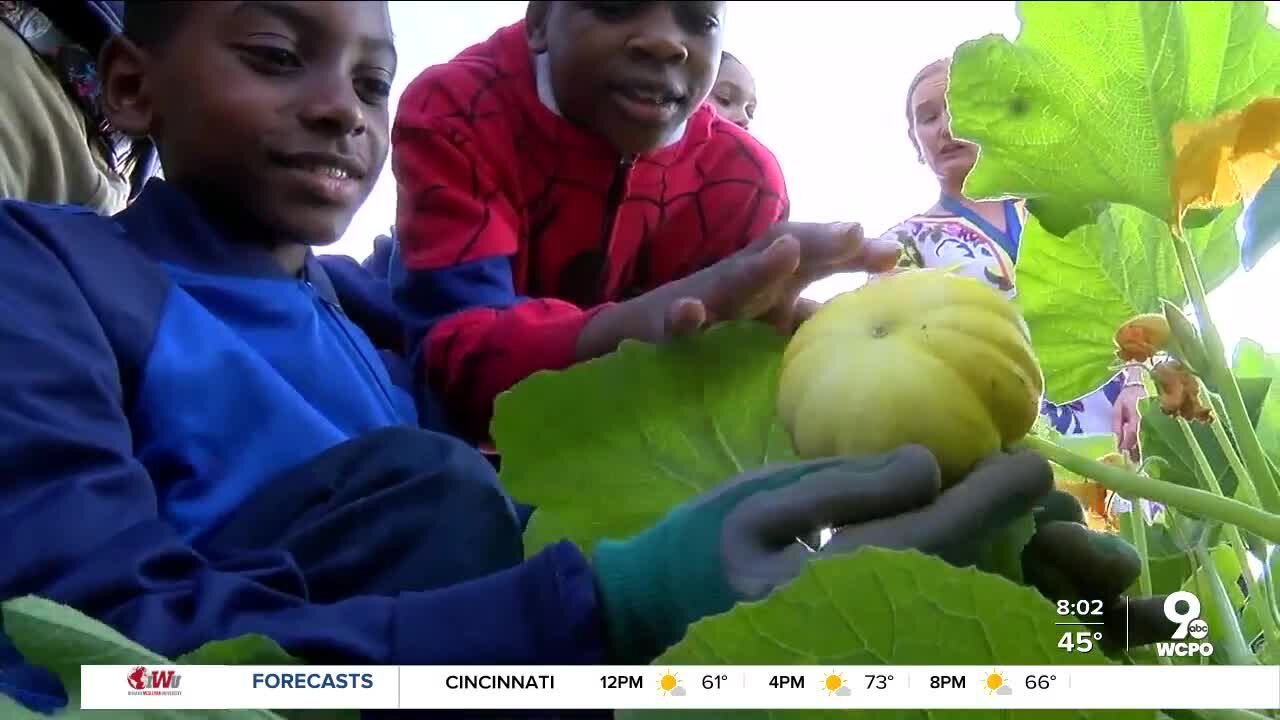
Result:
878,682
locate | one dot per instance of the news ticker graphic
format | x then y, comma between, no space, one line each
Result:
615,687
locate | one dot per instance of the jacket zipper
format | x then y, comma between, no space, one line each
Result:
617,190
337,314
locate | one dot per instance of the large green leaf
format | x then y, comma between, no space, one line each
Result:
1251,361
882,607
1078,111
1090,445
1076,291
62,639
1169,562
243,650
607,447
1160,435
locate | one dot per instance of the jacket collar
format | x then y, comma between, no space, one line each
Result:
168,226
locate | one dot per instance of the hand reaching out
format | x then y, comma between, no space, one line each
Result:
1125,419
762,281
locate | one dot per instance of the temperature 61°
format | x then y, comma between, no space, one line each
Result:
1080,641
712,682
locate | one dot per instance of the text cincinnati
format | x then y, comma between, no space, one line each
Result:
500,682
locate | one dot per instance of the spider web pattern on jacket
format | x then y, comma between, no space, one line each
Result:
678,216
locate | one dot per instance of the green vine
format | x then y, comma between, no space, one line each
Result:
1130,484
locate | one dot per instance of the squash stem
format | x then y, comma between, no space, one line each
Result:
1207,478
1223,380
1130,484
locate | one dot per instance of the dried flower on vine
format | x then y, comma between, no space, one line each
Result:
1142,337
1179,392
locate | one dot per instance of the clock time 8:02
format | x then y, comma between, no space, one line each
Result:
1080,608
1080,641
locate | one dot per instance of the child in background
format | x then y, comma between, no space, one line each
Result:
734,93
55,144
563,187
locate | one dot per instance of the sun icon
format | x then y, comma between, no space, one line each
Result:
995,681
833,683
668,682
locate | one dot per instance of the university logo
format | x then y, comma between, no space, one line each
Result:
154,682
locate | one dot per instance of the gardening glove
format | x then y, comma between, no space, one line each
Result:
738,542
1066,560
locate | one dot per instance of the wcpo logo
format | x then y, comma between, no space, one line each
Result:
1189,623
155,682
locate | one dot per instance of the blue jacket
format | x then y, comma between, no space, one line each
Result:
154,373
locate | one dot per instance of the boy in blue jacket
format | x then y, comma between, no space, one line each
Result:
198,444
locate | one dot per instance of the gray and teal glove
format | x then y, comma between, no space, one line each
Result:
738,542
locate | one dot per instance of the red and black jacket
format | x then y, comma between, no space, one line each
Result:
515,226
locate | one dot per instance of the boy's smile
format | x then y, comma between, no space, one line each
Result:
274,113
655,103
631,72
330,178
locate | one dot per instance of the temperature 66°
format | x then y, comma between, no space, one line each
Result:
1040,682
1079,641
712,682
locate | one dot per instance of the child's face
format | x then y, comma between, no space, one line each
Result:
632,72
734,93
274,112
931,124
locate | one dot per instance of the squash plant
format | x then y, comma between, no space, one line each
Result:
1136,144
1138,131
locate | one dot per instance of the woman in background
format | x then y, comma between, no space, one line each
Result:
980,239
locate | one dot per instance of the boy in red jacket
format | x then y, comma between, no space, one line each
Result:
562,187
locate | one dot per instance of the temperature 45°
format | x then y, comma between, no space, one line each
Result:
1080,641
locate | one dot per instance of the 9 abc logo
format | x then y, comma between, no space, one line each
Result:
1189,623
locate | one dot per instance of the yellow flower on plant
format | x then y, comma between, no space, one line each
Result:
1220,160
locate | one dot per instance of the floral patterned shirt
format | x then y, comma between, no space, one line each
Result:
962,245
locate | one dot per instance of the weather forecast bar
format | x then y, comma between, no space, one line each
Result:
817,687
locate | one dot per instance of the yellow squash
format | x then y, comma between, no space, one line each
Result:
920,356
